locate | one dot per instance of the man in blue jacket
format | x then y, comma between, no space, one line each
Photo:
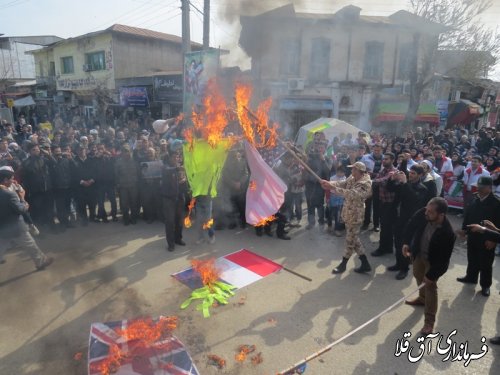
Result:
428,240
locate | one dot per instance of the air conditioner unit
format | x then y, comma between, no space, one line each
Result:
87,67
296,83
345,101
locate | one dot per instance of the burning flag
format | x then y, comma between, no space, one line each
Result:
139,346
267,194
213,291
203,163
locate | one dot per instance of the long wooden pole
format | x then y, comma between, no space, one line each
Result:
329,346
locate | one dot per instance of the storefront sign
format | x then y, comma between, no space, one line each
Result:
134,97
168,88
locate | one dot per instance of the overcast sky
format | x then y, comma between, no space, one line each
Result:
68,18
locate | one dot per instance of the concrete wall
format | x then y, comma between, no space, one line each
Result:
342,68
80,79
139,57
14,62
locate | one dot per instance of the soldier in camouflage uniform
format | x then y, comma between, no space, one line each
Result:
355,190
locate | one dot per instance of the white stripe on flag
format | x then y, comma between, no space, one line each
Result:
234,274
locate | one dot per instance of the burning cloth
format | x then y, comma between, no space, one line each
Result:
266,192
203,164
146,350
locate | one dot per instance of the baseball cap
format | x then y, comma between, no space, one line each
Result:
359,166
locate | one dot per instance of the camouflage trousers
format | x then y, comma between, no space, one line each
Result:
352,241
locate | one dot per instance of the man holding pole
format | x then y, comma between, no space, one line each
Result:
355,190
428,240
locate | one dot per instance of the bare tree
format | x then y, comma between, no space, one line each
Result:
479,46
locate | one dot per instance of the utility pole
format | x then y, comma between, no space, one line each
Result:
186,34
206,25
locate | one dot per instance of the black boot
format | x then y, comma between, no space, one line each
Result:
365,266
341,267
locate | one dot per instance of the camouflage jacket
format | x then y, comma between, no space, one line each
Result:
355,193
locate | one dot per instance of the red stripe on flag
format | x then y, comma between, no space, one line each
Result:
254,262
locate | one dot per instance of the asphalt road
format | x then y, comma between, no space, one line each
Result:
108,272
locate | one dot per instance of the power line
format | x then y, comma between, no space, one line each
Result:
167,19
161,14
144,12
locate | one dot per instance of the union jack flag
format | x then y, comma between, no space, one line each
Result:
165,357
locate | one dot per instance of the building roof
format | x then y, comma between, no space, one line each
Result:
145,33
125,30
350,13
41,40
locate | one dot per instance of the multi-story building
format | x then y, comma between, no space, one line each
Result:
119,64
334,65
15,64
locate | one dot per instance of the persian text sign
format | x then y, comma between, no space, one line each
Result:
134,97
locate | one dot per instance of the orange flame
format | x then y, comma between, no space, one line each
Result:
187,219
140,334
243,93
265,221
208,224
212,117
211,120
206,269
240,357
264,135
244,350
268,134
252,185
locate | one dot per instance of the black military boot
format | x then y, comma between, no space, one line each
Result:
341,267
365,266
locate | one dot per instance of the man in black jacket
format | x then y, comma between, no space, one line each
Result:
429,239
491,233
411,195
173,191
84,180
480,250
315,195
61,175
35,177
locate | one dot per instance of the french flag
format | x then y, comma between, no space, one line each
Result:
239,269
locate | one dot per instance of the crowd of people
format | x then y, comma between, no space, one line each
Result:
70,170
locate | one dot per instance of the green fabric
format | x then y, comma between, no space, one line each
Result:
203,165
317,128
219,292
402,107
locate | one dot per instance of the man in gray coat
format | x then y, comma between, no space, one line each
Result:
13,230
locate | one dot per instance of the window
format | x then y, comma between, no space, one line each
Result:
67,65
374,60
290,57
320,59
52,69
95,61
405,58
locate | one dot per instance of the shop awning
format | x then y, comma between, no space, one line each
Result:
463,112
23,102
395,111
